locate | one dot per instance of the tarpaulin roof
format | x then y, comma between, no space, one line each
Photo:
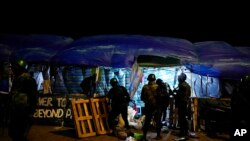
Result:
219,59
121,50
209,58
33,48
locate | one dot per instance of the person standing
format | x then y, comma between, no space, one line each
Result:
118,99
23,101
163,99
88,85
183,94
240,104
148,96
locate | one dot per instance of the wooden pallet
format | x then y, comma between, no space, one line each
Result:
83,118
90,116
195,113
99,108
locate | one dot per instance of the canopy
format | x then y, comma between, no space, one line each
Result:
121,50
33,48
219,59
208,58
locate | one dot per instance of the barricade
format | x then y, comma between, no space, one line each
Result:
195,113
90,116
83,118
99,108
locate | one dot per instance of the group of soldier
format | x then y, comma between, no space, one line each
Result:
156,96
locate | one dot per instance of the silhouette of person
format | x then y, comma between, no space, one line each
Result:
23,101
240,104
118,98
88,85
182,102
148,96
162,98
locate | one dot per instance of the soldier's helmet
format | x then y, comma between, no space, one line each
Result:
159,81
19,65
113,81
182,77
151,77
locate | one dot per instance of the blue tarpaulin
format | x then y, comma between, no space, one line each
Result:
208,58
120,50
219,59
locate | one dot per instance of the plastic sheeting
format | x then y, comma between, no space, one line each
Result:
219,59
204,86
33,40
121,50
208,58
32,48
211,52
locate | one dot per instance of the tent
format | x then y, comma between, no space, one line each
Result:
216,59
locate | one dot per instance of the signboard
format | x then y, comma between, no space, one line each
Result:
55,109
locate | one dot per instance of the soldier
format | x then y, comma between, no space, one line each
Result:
118,99
148,96
182,102
162,98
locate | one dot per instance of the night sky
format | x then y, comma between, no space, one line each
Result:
230,27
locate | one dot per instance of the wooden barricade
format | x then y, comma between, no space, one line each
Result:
99,108
195,113
83,118
90,116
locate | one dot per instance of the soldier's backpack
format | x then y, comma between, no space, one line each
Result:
163,94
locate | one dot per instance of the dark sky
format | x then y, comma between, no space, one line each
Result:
234,29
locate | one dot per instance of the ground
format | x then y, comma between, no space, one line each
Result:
57,133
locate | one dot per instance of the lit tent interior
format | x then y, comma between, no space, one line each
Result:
129,58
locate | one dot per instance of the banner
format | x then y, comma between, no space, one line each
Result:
55,109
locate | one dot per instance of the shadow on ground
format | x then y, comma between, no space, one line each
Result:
67,133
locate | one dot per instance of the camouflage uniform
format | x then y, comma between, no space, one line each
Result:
182,102
148,96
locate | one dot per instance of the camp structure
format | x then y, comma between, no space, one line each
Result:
59,64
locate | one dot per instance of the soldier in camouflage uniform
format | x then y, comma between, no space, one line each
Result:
148,96
182,102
